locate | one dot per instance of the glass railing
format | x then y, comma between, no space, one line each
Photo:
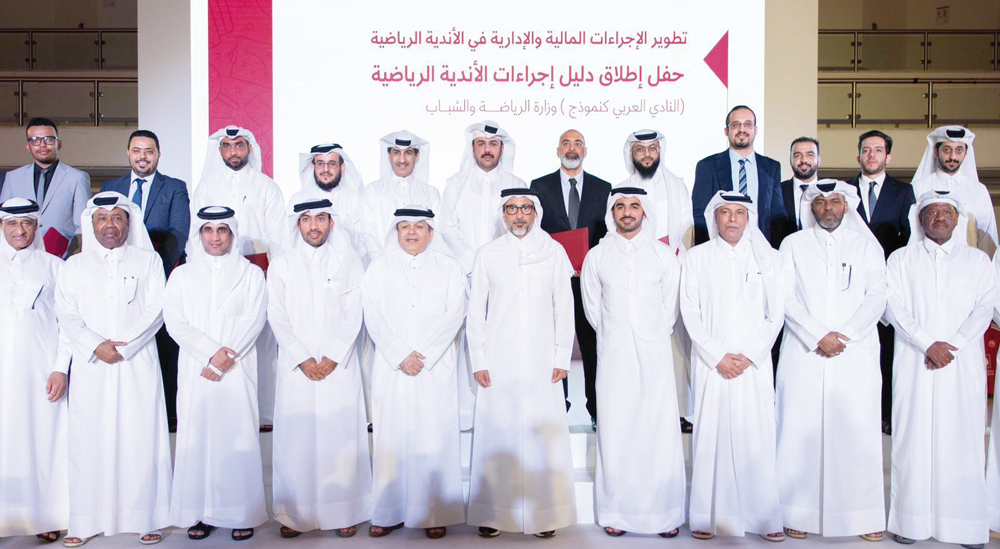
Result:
70,101
922,102
873,50
68,50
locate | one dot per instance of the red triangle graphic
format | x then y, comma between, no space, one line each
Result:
718,59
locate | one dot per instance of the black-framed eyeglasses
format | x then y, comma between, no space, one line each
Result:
47,139
526,209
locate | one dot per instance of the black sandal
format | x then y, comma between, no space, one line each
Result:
288,533
242,534
200,531
48,537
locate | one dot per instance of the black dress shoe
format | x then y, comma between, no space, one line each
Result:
487,532
887,428
686,426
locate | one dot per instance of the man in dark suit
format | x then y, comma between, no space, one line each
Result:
804,159
739,168
574,199
166,212
885,207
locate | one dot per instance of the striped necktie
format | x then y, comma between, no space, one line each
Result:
743,177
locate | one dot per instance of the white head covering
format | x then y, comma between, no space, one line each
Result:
668,192
403,140
537,244
218,215
826,187
340,270
643,136
530,194
350,177
414,213
928,164
109,200
623,191
214,163
21,207
488,129
961,233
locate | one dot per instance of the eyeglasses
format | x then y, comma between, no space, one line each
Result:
748,125
331,164
511,209
642,149
47,139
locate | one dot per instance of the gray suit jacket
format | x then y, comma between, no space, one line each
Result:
64,203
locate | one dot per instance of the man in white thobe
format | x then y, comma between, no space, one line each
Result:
109,301
34,359
231,176
732,303
215,308
669,219
829,381
322,472
993,456
403,180
629,284
414,303
520,329
941,296
949,164
327,172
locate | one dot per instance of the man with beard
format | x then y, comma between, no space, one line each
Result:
949,164
326,172
804,159
403,179
109,301
231,177
576,199
885,207
941,295
740,169
630,286
60,190
520,328
829,437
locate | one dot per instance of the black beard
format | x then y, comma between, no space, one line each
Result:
243,162
328,186
644,172
806,175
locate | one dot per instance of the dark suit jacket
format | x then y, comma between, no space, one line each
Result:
714,173
785,226
890,223
593,203
167,216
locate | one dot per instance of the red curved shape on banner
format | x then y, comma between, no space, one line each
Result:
718,59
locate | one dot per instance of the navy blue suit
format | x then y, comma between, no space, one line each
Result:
167,216
714,173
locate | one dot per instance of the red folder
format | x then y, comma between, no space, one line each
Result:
259,260
55,243
576,243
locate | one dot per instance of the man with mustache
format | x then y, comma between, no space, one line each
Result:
885,207
828,386
949,163
109,301
520,329
326,172
804,159
740,169
733,304
34,360
941,296
630,283
322,470
404,178
231,177
576,199
60,190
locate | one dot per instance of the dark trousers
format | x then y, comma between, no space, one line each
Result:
587,338
168,350
886,335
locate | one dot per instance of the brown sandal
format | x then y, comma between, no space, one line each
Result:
288,533
437,532
613,532
382,530
347,532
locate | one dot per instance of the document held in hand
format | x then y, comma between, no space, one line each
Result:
576,243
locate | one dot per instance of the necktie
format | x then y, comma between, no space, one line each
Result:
798,219
743,177
40,186
574,203
137,196
872,199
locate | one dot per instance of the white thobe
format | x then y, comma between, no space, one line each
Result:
385,196
34,489
322,472
470,211
723,303
938,488
416,303
993,454
522,468
348,205
119,466
630,297
212,303
971,194
261,217
829,409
